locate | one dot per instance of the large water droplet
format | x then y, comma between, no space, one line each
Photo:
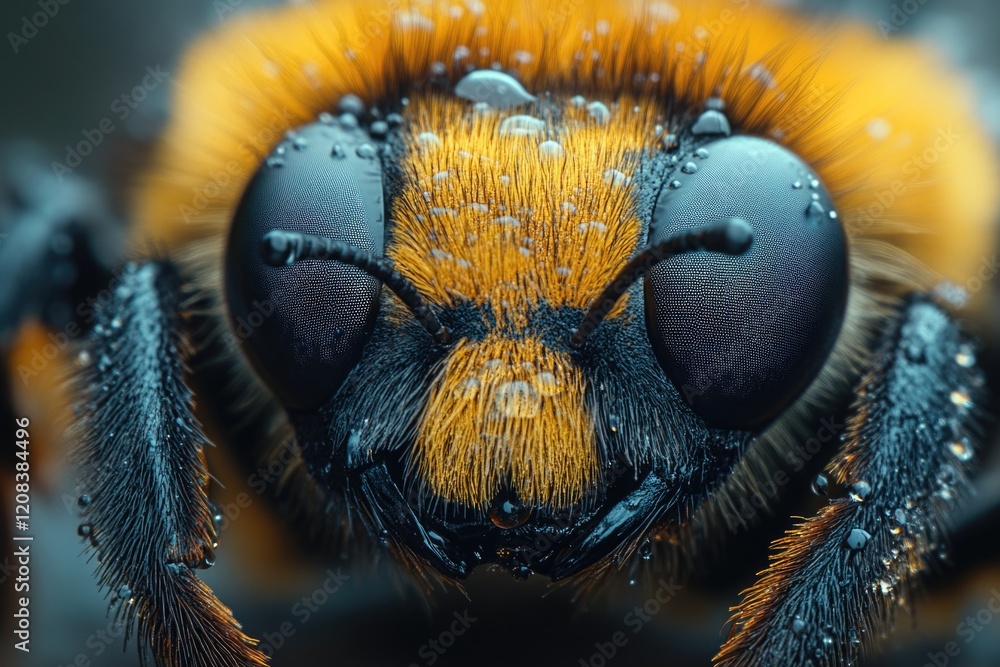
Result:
820,485
712,122
521,126
857,539
507,511
961,450
517,399
497,89
599,112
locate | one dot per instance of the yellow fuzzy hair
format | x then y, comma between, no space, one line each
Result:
851,105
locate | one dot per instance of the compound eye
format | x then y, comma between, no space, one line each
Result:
742,336
304,325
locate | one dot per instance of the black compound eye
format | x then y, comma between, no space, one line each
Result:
742,336
304,325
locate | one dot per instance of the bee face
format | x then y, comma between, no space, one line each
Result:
510,220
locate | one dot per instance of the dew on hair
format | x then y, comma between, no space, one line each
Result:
349,121
507,221
712,122
760,73
441,176
517,399
798,625
671,142
478,207
521,126
820,485
499,90
428,140
550,149
961,399
461,53
614,177
965,358
857,539
961,450
351,104
467,389
878,129
547,384
599,112
860,491
523,57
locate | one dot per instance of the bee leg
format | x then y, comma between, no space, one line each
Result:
144,477
58,241
838,579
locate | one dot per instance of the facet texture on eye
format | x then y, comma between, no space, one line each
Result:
304,325
743,336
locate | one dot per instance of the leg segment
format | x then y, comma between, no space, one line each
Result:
143,479
837,580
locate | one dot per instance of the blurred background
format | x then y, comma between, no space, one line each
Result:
55,84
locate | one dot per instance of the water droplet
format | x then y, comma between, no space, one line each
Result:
550,149
83,501
351,104
816,210
124,592
497,89
599,112
275,162
366,152
712,122
613,422
467,389
83,530
338,152
507,511
349,121
547,384
521,126
689,168
507,220
879,129
857,539
517,399
965,358
797,185
961,450
428,140
441,176
820,485
646,551
578,101
885,586
616,178
671,142
702,153
379,129
961,399
798,625
860,491
675,185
